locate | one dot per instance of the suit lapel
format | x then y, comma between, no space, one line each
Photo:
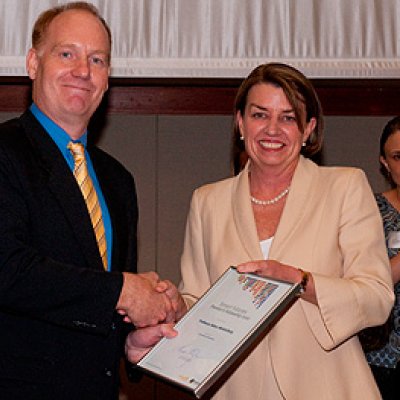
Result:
62,185
297,202
244,217
296,207
108,189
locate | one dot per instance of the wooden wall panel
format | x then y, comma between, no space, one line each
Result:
374,97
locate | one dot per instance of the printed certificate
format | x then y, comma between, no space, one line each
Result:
218,329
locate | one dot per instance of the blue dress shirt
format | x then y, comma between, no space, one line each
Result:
61,138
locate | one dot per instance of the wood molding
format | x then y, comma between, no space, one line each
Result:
364,97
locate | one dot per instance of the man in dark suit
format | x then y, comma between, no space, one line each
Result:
65,311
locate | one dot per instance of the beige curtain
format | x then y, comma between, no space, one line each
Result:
227,38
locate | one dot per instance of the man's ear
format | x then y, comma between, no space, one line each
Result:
32,62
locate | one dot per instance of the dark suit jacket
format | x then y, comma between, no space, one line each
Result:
60,337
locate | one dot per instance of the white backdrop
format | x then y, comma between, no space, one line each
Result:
227,38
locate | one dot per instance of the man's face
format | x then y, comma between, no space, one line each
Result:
70,69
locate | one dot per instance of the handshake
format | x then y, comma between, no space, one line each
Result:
153,306
145,300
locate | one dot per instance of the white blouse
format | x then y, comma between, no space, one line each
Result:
265,246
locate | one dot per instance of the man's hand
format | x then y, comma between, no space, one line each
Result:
141,303
178,304
140,341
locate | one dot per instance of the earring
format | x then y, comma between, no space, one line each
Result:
241,137
304,144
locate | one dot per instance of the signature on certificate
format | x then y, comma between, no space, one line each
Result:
187,354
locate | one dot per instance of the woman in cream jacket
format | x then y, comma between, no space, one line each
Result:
285,217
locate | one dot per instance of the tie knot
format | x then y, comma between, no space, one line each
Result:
77,149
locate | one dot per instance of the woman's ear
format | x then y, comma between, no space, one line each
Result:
239,123
384,163
309,129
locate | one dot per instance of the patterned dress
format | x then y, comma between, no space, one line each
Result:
389,355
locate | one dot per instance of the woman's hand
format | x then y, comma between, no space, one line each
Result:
271,268
276,270
178,304
140,341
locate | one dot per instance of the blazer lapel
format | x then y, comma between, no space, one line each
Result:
297,203
244,217
62,184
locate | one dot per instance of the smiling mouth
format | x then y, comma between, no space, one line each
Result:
74,87
271,145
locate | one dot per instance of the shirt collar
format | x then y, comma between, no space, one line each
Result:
58,134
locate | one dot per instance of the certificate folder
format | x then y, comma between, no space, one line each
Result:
218,329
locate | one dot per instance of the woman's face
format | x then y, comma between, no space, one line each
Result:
391,161
270,129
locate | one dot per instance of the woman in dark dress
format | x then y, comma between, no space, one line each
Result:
384,359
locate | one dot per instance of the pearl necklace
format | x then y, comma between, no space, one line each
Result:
271,201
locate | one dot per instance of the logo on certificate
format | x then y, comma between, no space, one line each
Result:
258,289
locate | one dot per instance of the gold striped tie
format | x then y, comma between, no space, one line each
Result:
89,194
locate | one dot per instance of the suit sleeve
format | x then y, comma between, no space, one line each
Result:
362,294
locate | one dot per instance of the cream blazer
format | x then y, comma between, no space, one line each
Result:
331,227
